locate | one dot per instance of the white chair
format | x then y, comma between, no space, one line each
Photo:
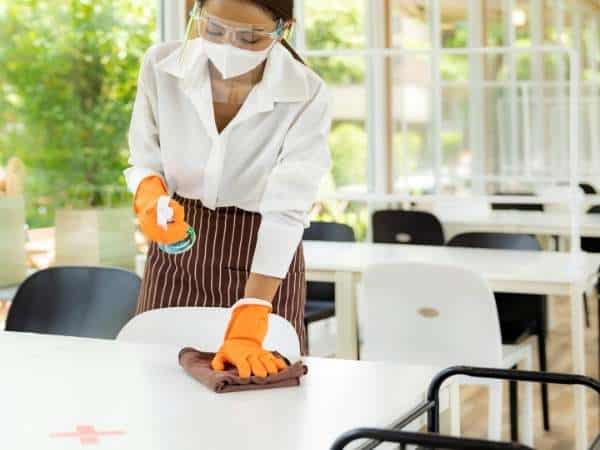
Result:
203,328
438,315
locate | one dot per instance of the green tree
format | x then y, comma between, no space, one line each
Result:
68,71
336,24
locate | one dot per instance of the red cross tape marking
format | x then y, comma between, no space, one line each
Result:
87,434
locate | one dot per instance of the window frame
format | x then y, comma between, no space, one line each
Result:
379,118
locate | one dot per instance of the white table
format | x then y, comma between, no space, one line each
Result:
530,222
550,273
137,397
547,273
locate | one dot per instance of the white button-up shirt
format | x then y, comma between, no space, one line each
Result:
269,159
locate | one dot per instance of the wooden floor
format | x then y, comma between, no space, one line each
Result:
474,401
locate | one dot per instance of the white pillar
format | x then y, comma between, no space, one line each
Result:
560,156
509,30
436,90
538,122
377,100
477,96
300,28
594,119
174,20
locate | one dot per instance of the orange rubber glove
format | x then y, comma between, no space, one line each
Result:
145,205
244,337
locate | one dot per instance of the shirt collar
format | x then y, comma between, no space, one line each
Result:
284,80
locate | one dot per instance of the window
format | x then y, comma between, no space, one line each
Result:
326,28
394,112
68,73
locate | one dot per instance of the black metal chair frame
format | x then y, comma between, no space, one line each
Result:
431,407
431,441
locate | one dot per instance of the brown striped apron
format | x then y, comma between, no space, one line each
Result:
214,272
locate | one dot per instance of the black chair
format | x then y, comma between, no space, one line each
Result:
521,315
407,227
592,245
587,188
320,296
91,302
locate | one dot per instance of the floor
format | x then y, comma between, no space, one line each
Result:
474,401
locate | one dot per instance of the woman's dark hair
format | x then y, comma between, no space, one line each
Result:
279,9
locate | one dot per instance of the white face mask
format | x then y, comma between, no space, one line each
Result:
231,61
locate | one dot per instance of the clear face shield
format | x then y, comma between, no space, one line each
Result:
234,49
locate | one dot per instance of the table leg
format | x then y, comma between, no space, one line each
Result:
578,351
345,313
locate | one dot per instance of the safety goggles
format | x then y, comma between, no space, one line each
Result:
241,35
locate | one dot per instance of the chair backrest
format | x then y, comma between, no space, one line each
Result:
203,328
329,231
407,227
326,231
429,314
512,307
90,302
507,241
587,188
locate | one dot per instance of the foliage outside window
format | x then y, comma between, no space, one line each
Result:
339,24
68,75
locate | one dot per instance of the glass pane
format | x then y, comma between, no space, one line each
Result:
494,28
521,21
455,68
455,28
69,73
348,139
591,38
409,25
334,24
456,155
412,154
411,69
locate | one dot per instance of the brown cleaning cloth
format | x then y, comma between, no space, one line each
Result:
197,364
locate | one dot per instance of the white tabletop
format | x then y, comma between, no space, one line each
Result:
531,222
494,265
54,384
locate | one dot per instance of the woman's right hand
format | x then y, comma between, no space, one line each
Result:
146,206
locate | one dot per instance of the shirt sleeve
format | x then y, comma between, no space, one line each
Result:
144,145
292,188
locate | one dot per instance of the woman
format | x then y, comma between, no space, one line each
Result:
234,127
